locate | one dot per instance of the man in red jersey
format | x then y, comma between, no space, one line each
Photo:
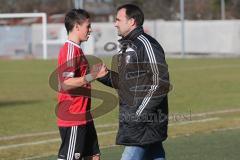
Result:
77,131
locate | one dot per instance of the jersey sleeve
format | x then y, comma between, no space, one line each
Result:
67,62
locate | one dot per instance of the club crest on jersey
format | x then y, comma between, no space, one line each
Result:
77,155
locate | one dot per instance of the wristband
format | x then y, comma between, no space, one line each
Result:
89,78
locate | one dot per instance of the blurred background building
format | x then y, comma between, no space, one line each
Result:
153,9
211,27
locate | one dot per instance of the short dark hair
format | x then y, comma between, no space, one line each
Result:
75,16
133,11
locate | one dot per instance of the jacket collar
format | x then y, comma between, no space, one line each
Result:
133,34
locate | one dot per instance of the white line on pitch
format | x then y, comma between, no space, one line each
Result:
46,141
195,121
99,134
49,133
225,129
47,155
29,144
203,68
113,125
215,112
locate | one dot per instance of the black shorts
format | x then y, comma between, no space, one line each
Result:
78,142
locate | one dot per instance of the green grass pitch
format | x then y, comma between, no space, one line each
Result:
204,108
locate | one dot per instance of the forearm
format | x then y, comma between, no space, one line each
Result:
76,82
111,79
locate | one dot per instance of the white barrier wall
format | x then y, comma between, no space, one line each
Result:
219,37
168,33
56,36
214,37
103,33
15,40
56,33
205,37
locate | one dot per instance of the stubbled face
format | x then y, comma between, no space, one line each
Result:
84,30
123,24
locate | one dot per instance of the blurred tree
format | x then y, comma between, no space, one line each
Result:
153,9
48,6
194,9
198,9
233,9
211,9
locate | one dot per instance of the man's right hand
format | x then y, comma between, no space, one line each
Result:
99,70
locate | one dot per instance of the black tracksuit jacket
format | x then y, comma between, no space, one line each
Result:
140,74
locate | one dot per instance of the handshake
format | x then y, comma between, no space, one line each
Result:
97,71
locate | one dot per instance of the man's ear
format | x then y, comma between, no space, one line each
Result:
132,22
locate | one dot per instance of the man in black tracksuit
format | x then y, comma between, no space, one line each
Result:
142,81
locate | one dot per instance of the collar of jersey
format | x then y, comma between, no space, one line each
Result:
73,43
